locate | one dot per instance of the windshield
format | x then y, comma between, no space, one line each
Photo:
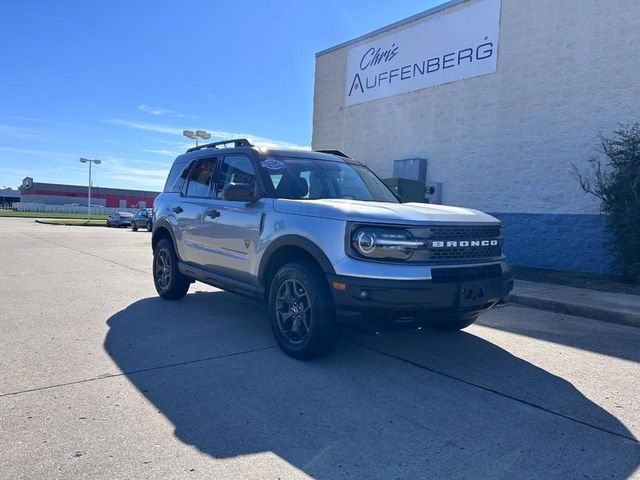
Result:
311,179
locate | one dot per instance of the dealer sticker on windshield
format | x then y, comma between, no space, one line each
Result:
272,164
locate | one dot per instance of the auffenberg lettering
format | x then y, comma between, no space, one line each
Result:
373,57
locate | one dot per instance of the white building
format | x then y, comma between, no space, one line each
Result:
501,98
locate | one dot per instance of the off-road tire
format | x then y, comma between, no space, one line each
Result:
322,330
169,282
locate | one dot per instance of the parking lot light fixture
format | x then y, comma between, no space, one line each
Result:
89,161
203,134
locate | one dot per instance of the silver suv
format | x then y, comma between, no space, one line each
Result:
324,242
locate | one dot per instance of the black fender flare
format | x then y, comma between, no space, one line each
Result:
294,241
163,224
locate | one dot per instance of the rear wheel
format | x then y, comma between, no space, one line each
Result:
148,226
169,282
301,311
454,322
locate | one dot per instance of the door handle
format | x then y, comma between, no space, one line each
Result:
213,213
178,209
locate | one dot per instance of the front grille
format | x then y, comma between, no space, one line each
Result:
465,253
465,274
462,234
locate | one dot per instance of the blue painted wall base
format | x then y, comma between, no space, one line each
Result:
578,243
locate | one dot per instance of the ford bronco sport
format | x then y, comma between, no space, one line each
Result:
323,241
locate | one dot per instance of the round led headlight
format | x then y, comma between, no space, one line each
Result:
366,242
382,243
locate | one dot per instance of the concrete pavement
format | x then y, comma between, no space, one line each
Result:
102,379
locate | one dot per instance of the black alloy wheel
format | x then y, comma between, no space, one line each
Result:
301,311
293,311
169,282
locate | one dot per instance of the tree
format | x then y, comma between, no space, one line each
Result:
615,179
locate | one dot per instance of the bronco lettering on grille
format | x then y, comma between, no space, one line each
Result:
463,243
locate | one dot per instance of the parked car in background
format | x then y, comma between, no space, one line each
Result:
143,218
119,219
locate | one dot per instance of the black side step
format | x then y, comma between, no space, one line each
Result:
221,281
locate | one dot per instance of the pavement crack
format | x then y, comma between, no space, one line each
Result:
135,372
146,272
496,392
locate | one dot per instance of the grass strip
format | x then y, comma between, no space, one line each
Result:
12,213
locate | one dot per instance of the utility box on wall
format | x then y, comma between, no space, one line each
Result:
411,168
408,190
409,179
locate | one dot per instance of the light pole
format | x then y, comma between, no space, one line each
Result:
89,161
197,134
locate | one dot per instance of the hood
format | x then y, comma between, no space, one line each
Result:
382,212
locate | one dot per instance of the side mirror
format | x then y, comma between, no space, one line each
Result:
238,192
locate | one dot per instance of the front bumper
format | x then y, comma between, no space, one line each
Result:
382,304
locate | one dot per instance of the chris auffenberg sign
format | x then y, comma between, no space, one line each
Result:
452,47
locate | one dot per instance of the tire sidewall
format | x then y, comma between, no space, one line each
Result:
178,284
323,330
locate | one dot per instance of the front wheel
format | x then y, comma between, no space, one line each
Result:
169,282
301,311
148,226
134,227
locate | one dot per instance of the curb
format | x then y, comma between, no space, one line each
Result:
62,224
619,317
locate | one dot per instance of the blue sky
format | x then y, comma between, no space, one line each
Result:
120,80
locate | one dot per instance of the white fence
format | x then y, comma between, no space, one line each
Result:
42,208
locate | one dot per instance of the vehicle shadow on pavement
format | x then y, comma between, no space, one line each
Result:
609,339
464,408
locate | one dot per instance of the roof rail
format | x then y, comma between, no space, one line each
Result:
237,142
334,152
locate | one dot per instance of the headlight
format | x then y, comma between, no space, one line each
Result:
381,243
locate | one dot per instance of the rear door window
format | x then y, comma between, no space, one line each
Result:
200,175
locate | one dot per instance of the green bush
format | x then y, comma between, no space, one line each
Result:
615,179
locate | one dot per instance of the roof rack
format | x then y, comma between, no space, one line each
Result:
334,152
237,142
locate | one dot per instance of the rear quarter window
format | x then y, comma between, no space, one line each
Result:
177,176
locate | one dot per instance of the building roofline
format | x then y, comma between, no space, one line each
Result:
85,188
417,16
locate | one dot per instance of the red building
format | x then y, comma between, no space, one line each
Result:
57,194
